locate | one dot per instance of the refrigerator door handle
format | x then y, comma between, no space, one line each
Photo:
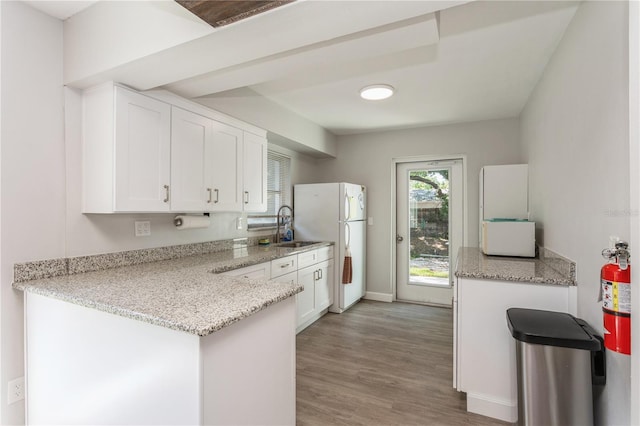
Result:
347,234
347,205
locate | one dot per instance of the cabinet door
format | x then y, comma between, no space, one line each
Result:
142,145
191,139
324,285
305,300
226,169
254,173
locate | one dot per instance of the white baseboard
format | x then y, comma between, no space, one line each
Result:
380,297
497,409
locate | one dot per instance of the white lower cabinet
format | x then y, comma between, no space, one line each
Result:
305,301
484,350
314,301
314,270
324,285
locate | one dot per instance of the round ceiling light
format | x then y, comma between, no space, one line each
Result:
376,92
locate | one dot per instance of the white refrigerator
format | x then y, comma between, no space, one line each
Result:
335,212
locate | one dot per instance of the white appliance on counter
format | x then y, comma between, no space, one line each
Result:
509,238
335,212
504,211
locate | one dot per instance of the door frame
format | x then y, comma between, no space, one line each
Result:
394,227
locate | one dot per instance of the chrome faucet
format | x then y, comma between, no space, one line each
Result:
278,217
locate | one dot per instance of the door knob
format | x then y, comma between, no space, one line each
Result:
399,239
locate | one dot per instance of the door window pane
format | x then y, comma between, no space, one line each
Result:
429,226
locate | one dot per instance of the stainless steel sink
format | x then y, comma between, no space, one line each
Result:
297,244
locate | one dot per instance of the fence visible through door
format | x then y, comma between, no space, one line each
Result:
429,221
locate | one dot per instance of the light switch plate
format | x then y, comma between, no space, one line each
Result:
370,221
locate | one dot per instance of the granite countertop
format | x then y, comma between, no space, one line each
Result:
549,268
186,294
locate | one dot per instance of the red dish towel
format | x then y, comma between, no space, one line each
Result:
347,269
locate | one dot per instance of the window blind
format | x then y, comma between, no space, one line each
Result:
278,190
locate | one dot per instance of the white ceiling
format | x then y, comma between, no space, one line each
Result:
467,62
483,61
61,9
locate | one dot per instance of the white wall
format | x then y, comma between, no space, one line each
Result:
247,105
575,138
634,178
32,157
40,178
367,159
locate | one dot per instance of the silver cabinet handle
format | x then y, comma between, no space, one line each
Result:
284,265
210,195
217,195
246,197
166,194
320,273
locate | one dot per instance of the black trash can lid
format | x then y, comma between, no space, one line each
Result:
551,328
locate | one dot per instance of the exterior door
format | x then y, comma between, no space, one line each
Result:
429,225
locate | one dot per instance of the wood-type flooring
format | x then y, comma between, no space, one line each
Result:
380,364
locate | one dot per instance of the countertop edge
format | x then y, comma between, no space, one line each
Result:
39,286
162,322
532,280
549,269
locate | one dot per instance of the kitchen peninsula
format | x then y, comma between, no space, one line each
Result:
484,351
171,341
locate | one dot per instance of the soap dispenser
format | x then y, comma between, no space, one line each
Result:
288,233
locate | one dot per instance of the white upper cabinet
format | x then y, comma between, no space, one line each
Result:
225,164
191,145
126,151
161,153
254,173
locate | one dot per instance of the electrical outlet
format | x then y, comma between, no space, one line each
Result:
142,228
239,222
15,390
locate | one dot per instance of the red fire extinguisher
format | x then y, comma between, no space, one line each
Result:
615,277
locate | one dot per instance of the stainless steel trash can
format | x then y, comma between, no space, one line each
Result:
559,360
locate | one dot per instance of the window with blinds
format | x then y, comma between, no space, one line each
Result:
278,191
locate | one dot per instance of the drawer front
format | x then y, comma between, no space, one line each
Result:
307,258
284,266
259,271
325,253
290,278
